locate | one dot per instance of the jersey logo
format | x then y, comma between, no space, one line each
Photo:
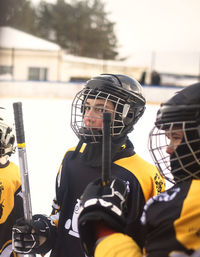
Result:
1,202
167,195
162,197
158,182
72,224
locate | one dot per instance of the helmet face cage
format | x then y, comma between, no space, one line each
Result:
78,114
184,163
7,139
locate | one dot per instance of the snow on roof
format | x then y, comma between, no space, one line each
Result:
13,38
80,59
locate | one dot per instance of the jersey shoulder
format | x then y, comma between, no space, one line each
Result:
146,173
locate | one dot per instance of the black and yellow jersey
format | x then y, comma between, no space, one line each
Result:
11,205
172,220
73,177
172,223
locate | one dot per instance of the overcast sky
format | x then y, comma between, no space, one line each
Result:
156,25
170,28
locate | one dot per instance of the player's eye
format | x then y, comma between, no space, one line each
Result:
87,108
97,109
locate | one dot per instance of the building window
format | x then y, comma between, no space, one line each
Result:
39,74
6,72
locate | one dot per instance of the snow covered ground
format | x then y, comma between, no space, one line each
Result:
48,135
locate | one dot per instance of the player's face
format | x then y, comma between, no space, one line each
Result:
175,137
94,109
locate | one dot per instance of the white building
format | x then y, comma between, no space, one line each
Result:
33,67
24,57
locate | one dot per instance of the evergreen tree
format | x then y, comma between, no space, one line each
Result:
82,28
18,14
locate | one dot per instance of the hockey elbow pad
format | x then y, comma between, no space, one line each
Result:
101,205
33,238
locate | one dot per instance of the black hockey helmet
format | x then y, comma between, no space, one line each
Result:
180,113
126,95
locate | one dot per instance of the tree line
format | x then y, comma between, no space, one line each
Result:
82,28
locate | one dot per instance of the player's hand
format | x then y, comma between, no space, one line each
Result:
101,205
31,238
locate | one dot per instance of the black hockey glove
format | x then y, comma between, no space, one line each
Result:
101,203
33,238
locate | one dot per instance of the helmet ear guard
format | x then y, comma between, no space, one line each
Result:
129,117
125,113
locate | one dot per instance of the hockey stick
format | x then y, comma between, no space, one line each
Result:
106,149
21,146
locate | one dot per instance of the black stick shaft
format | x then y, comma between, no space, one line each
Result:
21,145
106,149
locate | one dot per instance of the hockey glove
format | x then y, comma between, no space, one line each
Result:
33,238
101,205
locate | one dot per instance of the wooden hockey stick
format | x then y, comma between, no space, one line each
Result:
21,146
106,149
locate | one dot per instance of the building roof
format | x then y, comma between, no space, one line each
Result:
13,38
88,60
